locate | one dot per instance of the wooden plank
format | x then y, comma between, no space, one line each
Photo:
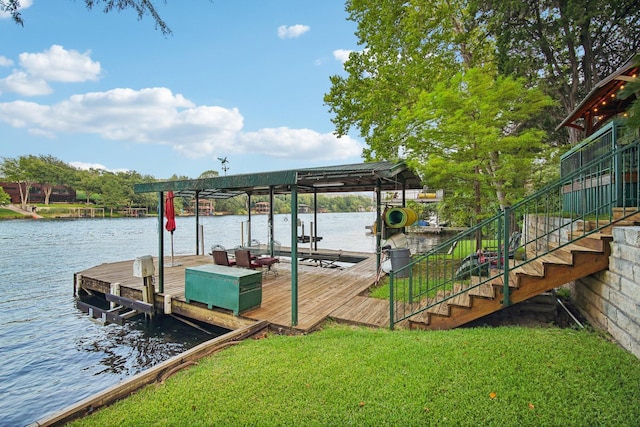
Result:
99,313
141,306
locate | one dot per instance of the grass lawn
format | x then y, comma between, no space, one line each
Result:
9,214
354,376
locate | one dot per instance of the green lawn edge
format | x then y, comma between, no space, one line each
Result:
344,375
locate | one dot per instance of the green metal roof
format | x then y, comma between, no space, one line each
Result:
328,179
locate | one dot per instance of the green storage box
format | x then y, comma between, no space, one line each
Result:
232,288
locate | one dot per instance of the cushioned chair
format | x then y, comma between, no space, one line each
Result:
220,257
243,259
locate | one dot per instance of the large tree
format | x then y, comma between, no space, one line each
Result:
423,87
23,171
407,47
471,130
565,46
51,172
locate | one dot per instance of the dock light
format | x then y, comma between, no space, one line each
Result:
328,184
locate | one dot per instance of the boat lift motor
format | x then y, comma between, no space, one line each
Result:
143,267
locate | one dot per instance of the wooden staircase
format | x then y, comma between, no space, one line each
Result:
586,255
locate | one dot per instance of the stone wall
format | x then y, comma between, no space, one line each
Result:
610,300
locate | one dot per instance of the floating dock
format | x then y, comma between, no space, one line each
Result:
337,293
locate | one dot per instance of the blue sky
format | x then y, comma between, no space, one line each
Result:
241,79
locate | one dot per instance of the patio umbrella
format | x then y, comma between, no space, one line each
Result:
170,214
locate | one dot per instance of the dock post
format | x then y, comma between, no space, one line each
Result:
115,290
148,293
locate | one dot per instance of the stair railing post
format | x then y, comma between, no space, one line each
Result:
391,303
505,253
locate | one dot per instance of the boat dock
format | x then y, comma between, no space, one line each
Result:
326,290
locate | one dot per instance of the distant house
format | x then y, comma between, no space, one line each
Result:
302,208
59,193
205,207
262,207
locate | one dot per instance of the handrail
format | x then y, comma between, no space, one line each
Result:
551,218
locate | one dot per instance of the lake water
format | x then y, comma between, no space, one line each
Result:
52,354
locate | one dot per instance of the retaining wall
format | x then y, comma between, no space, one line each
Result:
610,299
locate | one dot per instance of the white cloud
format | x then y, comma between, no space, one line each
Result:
53,65
293,31
299,144
96,166
24,84
341,55
5,62
60,65
158,116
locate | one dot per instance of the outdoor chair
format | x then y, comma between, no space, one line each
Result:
221,257
479,263
244,259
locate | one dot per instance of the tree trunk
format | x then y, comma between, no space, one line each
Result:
48,189
24,193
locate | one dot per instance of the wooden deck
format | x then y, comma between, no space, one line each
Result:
323,293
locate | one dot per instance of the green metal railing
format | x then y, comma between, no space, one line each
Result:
519,234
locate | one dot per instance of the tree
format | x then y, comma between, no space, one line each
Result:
21,170
424,87
470,130
633,89
5,199
565,46
50,172
89,181
209,174
408,46
141,7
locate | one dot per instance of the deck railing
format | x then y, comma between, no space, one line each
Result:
541,221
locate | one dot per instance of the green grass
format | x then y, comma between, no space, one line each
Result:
9,214
355,376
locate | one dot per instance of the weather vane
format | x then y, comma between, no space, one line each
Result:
224,162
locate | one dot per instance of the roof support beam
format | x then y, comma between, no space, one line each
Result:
160,242
198,223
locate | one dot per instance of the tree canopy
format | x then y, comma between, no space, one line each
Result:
457,87
564,47
141,7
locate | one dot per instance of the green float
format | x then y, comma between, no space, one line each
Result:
400,217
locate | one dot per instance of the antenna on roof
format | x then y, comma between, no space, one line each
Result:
224,162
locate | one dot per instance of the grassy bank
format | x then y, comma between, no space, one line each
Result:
9,214
353,376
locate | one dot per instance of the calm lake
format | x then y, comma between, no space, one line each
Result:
53,355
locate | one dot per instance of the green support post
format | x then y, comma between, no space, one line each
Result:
506,299
160,242
294,255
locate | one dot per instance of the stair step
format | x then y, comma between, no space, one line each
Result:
552,258
532,268
591,242
461,300
622,212
574,247
498,281
483,291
